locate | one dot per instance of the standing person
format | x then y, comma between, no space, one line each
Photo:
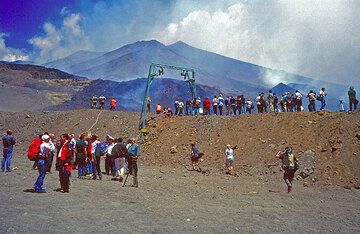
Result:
258,103
271,101
215,103
8,145
40,160
289,165
195,156
64,164
298,99
134,153
93,100
322,95
276,100
233,104
119,153
109,162
312,97
352,98
221,104
207,105
227,105
238,105
188,107
52,153
148,104
249,106
102,100
113,104
176,106
72,145
81,155
97,152
181,107
229,161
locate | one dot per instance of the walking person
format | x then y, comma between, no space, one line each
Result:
195,156
134,153
8,145
289,165
40,161
352,98
229,161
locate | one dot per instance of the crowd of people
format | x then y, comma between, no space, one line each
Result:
236,105
84,154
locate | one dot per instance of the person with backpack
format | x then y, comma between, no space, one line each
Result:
64,157
352,98
134,153
289,164
8,145
120,154
81,155
44,151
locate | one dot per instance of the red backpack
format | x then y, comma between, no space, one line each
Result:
34,149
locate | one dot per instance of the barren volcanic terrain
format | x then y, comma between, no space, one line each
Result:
171,198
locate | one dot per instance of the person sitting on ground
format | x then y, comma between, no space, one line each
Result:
195,156
168,112
229,160
289,165
352,98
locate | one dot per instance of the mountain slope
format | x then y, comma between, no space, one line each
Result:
66,63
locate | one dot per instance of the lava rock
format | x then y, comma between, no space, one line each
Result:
174,149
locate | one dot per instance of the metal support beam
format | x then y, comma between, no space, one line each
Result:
156,70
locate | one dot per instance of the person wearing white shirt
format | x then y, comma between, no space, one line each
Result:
229,154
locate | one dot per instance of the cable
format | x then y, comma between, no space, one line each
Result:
97,119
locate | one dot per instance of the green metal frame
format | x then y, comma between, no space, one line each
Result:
156,70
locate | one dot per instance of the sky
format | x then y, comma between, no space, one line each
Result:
315,38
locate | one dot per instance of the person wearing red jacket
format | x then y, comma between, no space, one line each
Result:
113,104
207,105
64,167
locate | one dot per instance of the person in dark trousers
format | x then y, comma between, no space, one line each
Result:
289,165
352,98
64,164
8,144
134,153
81,155
52,153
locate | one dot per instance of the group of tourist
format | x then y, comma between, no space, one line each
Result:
85,154
236,105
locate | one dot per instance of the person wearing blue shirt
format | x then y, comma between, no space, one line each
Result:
8,145
134,153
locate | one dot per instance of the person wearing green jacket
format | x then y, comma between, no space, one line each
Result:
352,98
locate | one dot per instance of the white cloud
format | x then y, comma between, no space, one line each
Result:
315,38
10,54
64,11
60,42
